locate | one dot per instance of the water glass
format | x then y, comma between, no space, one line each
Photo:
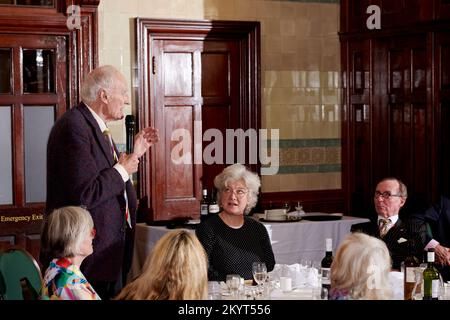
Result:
234,283
214,290
259,270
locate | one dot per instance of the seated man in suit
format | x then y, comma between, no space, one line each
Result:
401,237
437,220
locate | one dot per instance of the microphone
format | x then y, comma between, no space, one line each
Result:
129,125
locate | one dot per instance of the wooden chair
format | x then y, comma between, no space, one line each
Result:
20,275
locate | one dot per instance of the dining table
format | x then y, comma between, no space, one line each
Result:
292,241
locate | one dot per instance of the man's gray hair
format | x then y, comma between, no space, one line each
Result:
104,77
403,191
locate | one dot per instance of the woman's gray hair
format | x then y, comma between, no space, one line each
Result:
360,261
237,172
64,231
104,77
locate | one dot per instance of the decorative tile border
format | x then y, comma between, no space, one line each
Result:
321,168
308,143
309,156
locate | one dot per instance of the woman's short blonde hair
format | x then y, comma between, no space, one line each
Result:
361,267
64,231
235,173
177,269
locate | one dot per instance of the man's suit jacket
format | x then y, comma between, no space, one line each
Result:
437,220
413,233
80,173
437,217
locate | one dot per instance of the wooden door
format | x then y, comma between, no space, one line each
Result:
407,114
442,114
195,76
358,149
389,122
33,92
196,85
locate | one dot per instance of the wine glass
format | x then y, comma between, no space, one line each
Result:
233,283
259,270
286,206
299,208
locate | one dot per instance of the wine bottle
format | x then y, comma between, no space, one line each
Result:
204,205
430,278
326,264
411,264
213,207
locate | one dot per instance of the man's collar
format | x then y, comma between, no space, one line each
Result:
394,219
101,123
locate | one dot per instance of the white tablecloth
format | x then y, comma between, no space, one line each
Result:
291,241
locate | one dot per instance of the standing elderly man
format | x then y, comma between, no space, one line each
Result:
84,168
402,237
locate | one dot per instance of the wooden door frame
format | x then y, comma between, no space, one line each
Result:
147,30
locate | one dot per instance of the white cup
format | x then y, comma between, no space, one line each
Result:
285,284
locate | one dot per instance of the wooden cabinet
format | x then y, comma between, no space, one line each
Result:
395,109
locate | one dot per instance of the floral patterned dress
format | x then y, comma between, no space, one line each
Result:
64,281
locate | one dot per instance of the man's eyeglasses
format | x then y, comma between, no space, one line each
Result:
385,195
240,193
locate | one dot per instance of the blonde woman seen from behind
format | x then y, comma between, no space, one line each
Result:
360,269
176,270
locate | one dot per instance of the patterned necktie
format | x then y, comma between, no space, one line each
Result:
384,226
108,136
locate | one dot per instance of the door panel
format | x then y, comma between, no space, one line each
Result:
178,104
442,59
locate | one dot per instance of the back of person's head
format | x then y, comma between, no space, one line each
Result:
236,172
63,232
361,267
175,270
104,77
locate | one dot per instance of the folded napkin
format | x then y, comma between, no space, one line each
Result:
396,283
302,276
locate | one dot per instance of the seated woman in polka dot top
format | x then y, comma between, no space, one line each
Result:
232,240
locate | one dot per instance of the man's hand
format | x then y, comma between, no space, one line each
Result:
442,255
144,140
129,162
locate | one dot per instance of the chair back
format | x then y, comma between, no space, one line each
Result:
20,275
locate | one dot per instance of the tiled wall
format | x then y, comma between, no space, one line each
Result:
300,75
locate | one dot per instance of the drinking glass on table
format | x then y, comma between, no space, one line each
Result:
234,283
286,206
259,270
